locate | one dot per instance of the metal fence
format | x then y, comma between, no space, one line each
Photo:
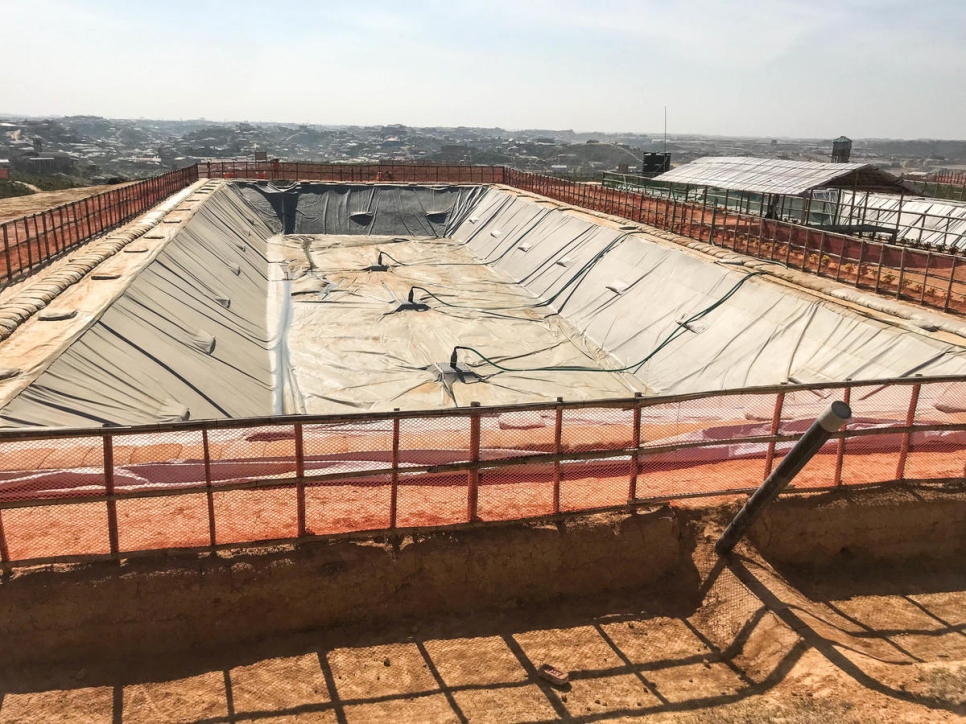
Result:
894,218
953,178
953,191
68,495
31,241
929,278
359,173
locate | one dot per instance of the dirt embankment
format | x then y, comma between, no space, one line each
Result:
645,617
163,605
892,524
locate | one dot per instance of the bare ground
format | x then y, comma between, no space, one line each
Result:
24,205
742,640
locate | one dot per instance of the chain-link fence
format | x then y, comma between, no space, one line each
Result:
116,492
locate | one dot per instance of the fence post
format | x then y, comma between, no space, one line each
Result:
907,436
43,220
208,490
840,455
101,220
87,218
557,450
878,269
473,493
6,253
925,278
902,272
109,489
30,253
300,478
636,441
4,551
394,489
949,288
858,269
821,253
62,227
775,425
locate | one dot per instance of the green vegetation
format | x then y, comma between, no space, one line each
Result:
944,191
9,189
55,182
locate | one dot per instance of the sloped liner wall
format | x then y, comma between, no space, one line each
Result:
187,339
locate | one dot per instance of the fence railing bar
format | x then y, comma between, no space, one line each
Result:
616,455
626,403
300,480
907,437
557,450
209,493
110,495
394,481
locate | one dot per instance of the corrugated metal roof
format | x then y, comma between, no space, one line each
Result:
767,175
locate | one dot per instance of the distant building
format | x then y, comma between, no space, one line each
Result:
841,150
41,165
653,164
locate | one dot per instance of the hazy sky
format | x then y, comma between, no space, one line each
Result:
820,68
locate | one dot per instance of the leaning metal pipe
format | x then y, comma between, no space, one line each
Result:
791,465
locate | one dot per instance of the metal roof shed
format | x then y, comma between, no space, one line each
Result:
780,177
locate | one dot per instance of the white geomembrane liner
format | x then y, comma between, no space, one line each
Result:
236,318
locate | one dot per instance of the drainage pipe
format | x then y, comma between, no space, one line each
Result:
791,465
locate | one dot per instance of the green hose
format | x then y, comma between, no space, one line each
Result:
634,367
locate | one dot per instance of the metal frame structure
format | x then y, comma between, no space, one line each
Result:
895,219
641,459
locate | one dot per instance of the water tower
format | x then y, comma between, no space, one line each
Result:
841,149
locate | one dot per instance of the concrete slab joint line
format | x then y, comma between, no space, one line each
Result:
35,296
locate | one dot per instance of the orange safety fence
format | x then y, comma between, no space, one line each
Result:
353,173
929,278
30,241
951,178
68,495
